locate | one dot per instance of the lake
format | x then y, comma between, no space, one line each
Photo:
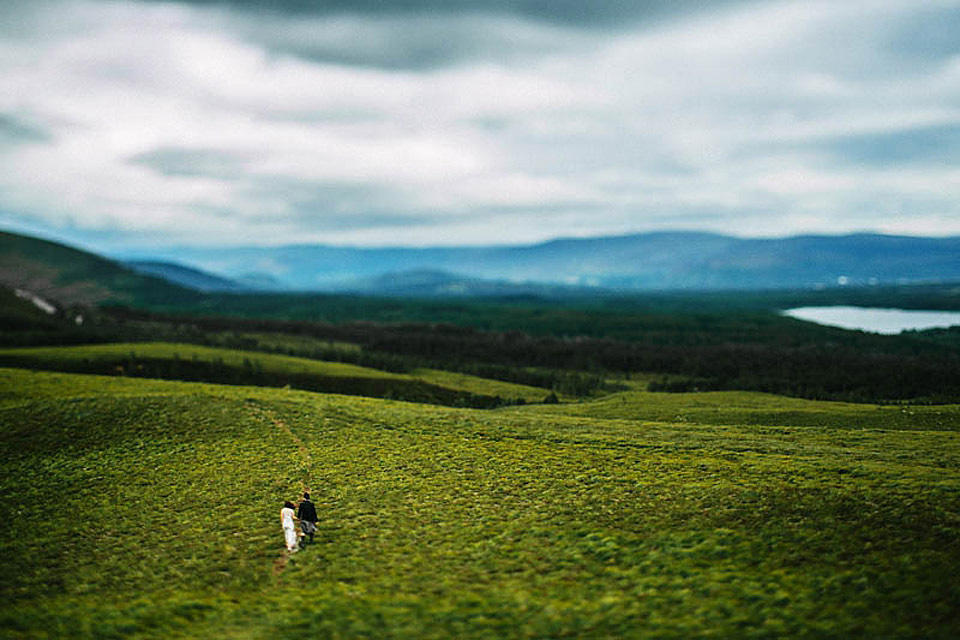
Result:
887,321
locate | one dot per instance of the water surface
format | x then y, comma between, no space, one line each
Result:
886,321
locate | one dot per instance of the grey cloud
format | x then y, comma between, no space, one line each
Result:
425,34
318,214
929,33
183,162
936,145
342,206
569,12
326,205
14,130
315,221
21,20
713,216
401,42
333,204
633,127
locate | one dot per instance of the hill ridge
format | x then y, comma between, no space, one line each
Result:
680,260
67,276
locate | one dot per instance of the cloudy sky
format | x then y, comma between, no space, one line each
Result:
439,122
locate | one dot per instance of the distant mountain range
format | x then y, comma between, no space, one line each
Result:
187,276
562,268
655,261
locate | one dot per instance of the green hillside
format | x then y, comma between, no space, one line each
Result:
139,508
210,364
68,276
761,409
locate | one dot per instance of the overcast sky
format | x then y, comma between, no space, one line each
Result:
445,122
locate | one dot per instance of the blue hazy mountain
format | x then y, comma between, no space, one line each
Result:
187,276
653,261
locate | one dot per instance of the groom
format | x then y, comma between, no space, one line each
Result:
307,514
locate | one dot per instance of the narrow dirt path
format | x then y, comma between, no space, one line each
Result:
266,415
304,452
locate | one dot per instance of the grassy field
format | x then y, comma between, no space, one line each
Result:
761,409
138,508
164,360
113,353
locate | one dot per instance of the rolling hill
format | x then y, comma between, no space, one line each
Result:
66,276
137,508
232,366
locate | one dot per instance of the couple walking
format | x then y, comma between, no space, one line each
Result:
307,515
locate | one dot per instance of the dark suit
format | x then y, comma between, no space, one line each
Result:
307,513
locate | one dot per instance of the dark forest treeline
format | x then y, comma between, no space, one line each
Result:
693,350
828,371
393,348
118,324
850,366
